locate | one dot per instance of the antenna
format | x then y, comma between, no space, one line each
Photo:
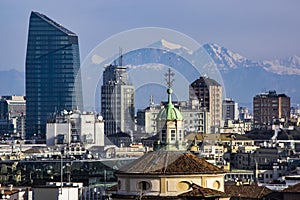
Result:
120,57
151,100
169,78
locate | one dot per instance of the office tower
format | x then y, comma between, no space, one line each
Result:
268,107
53,81
230,110
117,101
209,93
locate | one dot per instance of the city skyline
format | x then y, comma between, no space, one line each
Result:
258,30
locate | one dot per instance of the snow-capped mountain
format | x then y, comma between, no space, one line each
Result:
176,48
226,59
244,78
290,65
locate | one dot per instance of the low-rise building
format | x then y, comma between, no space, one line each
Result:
75,127
12,115
237,126
195,118
58,190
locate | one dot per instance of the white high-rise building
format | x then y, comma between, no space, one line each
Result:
117,101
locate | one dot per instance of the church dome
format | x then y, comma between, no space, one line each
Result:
169,112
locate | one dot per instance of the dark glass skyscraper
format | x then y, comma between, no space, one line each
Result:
53,81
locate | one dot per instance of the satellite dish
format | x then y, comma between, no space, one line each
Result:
100,118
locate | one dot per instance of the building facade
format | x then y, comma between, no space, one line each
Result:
66,127
117,101
12,115
230,110
53,81
196,119
270,106
209,93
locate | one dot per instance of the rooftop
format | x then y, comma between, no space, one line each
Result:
53,23
216,137
294,188
204,79
247,191
198,191
170,162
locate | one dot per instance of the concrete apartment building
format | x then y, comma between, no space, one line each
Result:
12,115
230,110
75,127
196,119
270,106
209,93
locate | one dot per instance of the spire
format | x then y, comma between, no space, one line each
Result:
169,78
170,121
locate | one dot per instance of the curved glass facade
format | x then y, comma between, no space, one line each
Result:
53,81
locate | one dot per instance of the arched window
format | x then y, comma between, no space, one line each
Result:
143,185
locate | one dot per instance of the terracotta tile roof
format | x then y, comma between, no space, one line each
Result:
118,196
247,191
198,191
294,188
216,137
170,162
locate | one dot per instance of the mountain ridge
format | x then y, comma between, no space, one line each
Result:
243,78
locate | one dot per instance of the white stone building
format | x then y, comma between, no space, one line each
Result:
75,127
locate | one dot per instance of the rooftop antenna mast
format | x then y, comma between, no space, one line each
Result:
120,57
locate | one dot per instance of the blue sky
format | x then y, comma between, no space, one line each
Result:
257,29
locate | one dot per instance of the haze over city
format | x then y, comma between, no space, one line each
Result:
259,30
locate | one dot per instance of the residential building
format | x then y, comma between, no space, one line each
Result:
230,110
270,106
58,190
66,127
209,94
196,119
237,126
53,81
117,101
244,114
12,116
